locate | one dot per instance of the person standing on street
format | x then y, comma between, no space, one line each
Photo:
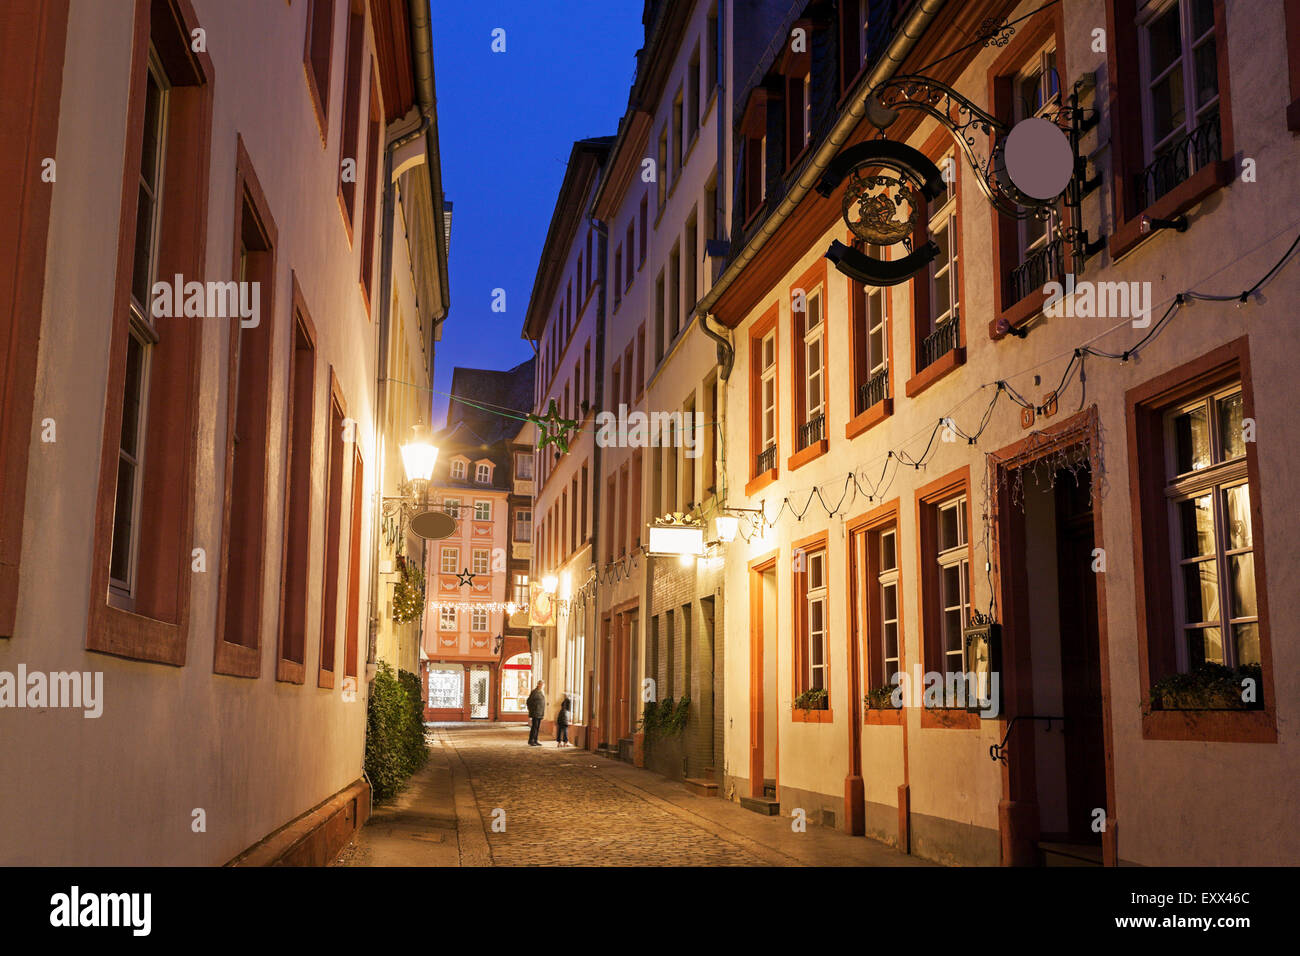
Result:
536,711
562,723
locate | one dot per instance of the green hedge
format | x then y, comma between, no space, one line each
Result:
394,732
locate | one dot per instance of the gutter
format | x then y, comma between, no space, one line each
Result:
920,18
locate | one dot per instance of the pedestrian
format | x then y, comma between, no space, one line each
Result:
536,711
562,723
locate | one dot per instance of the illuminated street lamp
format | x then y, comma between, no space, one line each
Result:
419,456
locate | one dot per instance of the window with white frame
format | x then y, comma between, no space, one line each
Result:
887,580
521,590
954,581
767,378
943,231
451,506
1180,82
446,688
1037,91
480,561
447,619
814,355
141,337
482,511
459,469
1213,542
815,638
478,620
524,467
523,525
575,676
483,473
450,560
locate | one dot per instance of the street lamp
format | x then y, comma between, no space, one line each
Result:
419,456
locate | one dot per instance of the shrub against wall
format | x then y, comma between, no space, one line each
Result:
394,732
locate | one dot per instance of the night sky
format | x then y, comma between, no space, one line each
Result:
506,122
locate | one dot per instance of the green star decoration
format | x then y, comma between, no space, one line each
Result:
554,429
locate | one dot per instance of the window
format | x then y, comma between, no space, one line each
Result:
642,243
447,687
1213,543
141,336
767,410
630,244
520,595
335,459
450,560
942,274
811,652
139,601
352,627
372,181
483,473
447,619
712,52
523,466
451,506
301,419
618,274
1180,94
482,511
661,173
853,40
674,302
351,114
1038,253
677,136
659,319
887,582
523,525
575,674
480,561
690,275
870,341
316,57
459,469
813,427
640,359
478,619
693,96
953,559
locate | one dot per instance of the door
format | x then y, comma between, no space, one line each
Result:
479,679
1085,757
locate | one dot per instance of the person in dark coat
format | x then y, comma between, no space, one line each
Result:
562,723
536,711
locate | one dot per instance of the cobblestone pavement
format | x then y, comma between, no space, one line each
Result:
568,807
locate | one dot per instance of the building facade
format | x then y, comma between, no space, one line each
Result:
1100,475
471,579
189,425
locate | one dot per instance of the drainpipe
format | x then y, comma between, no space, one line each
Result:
726,354
917,22
597,479
422,56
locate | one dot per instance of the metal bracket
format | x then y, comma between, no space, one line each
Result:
998,752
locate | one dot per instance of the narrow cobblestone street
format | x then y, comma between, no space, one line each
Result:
569,807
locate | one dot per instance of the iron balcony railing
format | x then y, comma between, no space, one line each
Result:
939,342
874,390
1039,268
812,430
1179,159
766,460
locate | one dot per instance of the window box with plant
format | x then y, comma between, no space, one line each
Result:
815,699
1210,686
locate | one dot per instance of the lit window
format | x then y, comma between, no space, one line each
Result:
447,619
481,561
888,583
478,620
954,581
450,560
768,379
458,469
814,636
451,506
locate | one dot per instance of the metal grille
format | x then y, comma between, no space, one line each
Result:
939,343
874,390
1179,160
813,430
766,460
1040,267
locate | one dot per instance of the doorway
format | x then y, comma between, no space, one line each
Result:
479,681
763,713
1058,791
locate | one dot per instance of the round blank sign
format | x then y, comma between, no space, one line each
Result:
433,525
1038,158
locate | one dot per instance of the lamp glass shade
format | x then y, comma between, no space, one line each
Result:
725,527
550,583
676,539
418,458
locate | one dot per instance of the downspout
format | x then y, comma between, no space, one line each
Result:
602,242
726,353
917,22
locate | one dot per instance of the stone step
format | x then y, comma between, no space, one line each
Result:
768,808
1070,854
702,787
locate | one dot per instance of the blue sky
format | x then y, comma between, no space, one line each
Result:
506,122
